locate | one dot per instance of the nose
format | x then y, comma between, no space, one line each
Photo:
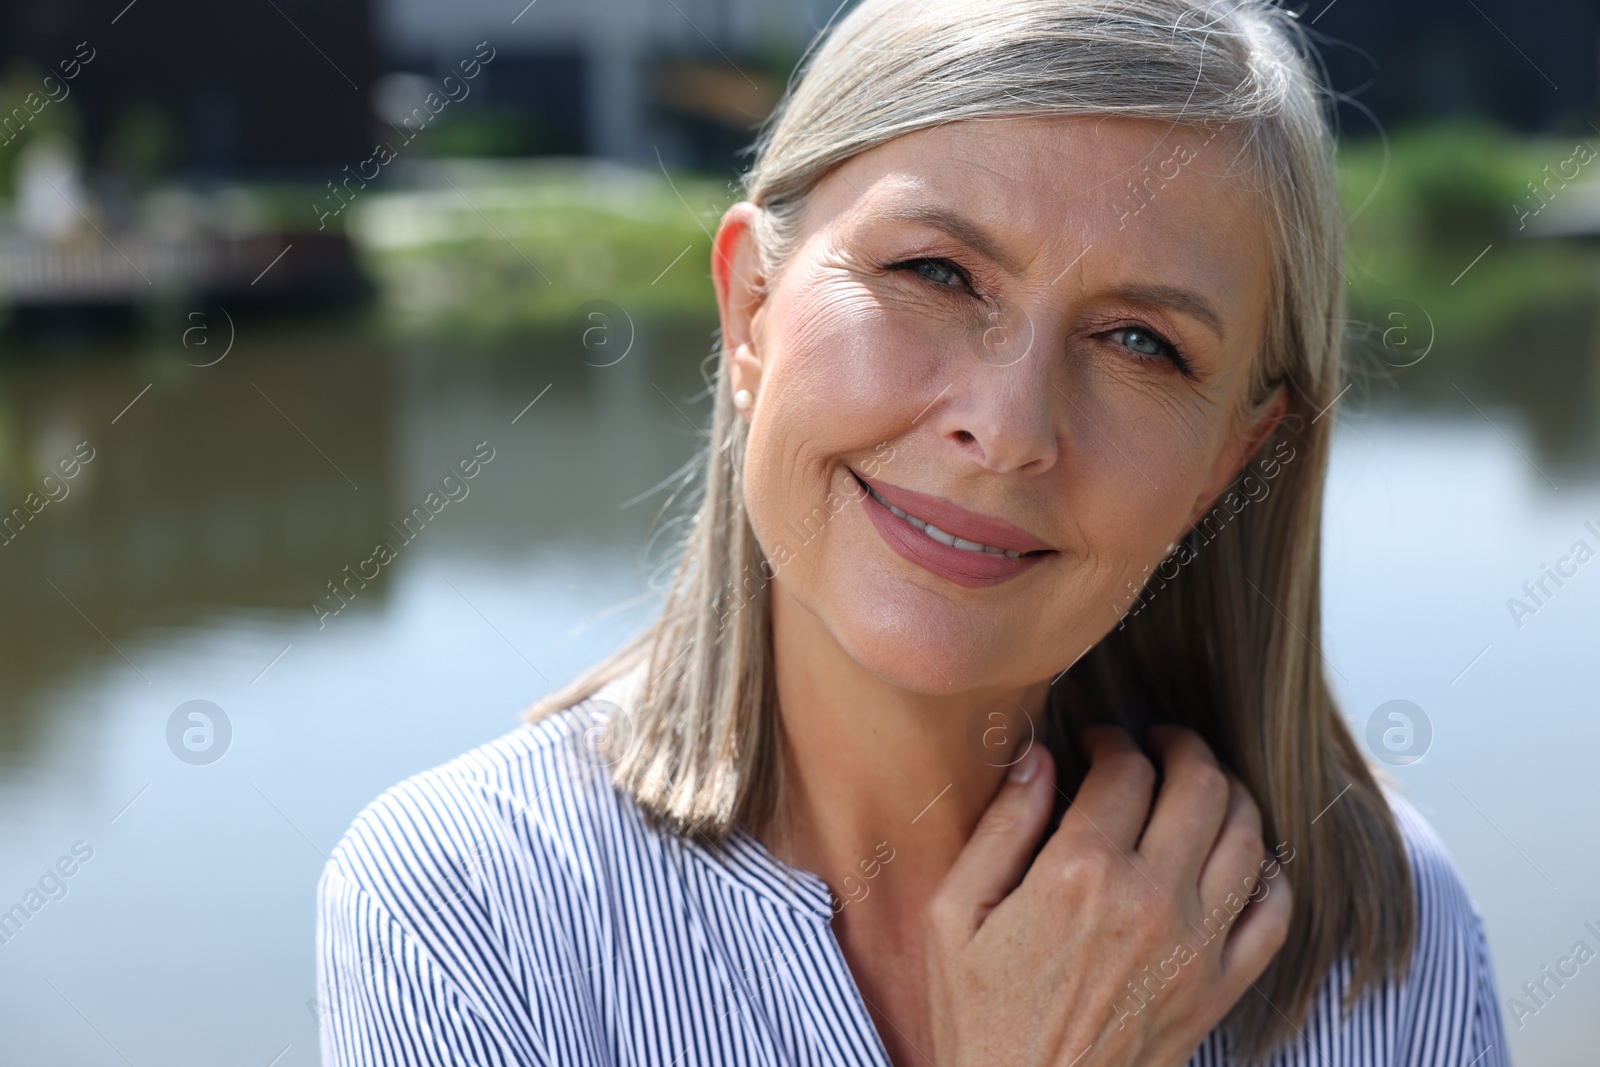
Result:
1005,414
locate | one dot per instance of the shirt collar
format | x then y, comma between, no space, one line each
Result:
743,857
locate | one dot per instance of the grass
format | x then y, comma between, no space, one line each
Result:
1420,222
522,246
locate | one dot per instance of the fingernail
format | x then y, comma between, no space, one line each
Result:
1023,769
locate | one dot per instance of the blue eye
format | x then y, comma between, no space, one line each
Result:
940,272
1151,345
936,271
1143,341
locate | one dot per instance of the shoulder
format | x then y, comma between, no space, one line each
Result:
455,840
1442,1012
434,909
1445,1008
1448,919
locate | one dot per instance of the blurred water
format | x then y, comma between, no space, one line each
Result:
184,562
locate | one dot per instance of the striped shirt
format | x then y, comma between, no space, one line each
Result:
511,907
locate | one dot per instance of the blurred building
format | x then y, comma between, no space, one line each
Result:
292,87
288,88
1527,66
618,78
201,88
123,127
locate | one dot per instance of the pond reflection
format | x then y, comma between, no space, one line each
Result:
263,483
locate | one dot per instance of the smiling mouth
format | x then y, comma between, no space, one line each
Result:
936,534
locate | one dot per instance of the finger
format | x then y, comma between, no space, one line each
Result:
1191,805
1001,846
1114,798
1231,869
1258,935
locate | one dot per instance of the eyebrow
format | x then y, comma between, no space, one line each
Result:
962,229
976,237
1181,300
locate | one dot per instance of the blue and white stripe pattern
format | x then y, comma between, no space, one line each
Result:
511,908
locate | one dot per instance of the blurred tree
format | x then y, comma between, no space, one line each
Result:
27,109
488,130
142,146
1463,178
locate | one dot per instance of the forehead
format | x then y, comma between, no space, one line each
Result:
1148,200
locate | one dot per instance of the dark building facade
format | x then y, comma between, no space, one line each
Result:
245,86
1527,66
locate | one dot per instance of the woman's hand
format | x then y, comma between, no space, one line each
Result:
1037,972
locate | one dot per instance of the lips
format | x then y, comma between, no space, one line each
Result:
967,525
966,566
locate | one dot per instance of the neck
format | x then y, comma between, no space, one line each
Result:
874,770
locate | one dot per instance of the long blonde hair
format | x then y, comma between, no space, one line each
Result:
1229,643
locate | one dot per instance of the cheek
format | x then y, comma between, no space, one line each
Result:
1137,455
848,355
1147,441
831,376
842,375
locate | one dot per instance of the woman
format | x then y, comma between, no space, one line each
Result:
1029,325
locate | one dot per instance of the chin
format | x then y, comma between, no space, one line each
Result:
916,649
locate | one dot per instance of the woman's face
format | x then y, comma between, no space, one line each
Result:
1043,326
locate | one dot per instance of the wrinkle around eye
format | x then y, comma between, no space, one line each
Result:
828,302
862,289
1115,381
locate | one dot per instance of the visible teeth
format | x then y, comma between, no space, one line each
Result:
939,535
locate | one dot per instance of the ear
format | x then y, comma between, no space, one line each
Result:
741,290
1261,425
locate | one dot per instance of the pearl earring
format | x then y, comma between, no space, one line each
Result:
743,399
